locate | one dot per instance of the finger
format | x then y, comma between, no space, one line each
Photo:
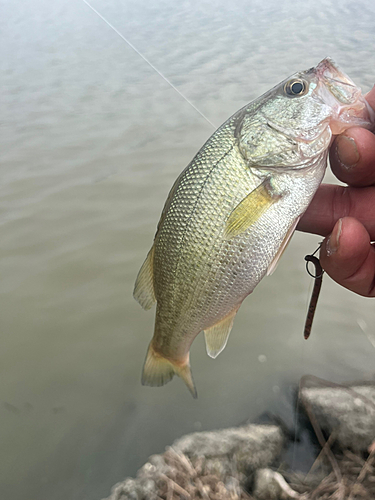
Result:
352,157
349,258
332,202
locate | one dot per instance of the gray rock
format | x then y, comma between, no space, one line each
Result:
220,466
233,486
271,485
240,450
144,486
351,418
126,490
153,468
250,447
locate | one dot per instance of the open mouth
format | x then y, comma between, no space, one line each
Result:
337,82
351,108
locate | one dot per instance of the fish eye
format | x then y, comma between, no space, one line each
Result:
296,88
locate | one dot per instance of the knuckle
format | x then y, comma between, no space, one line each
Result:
342,202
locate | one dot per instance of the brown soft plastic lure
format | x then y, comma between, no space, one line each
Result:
315,293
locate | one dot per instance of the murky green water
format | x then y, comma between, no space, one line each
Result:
92,139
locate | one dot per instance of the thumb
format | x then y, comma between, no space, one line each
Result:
348,256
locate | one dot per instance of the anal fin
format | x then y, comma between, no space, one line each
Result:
217,335
144,292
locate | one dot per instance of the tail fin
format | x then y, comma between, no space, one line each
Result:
158,371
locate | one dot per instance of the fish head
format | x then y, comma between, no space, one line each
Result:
294,122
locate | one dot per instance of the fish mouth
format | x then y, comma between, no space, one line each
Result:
337,90
337,82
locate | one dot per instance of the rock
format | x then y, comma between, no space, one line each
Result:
125,490
270,485
233,486
351,417
144,486
153,468
226,454
219,466
249,447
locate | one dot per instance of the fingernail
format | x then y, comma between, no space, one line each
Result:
334,239
346,151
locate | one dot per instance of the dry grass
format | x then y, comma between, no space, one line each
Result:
193,479
356,481
189,479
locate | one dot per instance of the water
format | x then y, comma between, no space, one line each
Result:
92,139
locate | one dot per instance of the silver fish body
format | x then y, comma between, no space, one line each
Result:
232,211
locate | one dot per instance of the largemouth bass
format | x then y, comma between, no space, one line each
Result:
232,211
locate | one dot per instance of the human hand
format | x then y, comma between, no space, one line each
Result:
346,215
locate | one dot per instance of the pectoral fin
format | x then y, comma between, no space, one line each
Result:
273,265
250,209
217,335
144,292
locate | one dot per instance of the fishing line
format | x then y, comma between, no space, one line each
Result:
149,63
297,438
296,423
318,276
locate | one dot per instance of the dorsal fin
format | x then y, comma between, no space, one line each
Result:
217,335
250,209
144,292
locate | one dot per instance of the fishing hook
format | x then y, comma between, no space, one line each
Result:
318,277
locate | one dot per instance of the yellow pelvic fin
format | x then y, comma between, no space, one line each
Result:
217,335
158,371
144,292
273,265
250,209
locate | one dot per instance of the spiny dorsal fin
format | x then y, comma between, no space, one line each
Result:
275,261
217,335
144,292
250,209
159,370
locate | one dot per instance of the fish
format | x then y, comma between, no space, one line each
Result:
232,211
